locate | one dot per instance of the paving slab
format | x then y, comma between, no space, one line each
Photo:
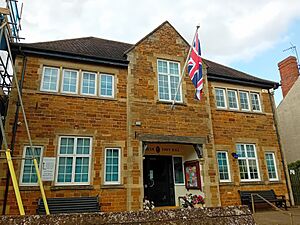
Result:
272,217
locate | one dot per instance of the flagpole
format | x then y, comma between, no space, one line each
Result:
183,69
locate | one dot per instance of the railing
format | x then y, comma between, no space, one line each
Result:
275,207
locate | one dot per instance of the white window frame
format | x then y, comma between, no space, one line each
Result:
119,167
248,99
247,163
228,167
182,162
225,98
236,97
81,85
259,103
113,85
169,82
57,81
23,162
274,160
62,81
74,161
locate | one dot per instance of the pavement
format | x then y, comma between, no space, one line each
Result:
272,217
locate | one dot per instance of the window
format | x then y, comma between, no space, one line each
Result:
178,170
50,79
232,99
248,164
271,166
223,166
88,84
220,98
112,166
74,159
28,173
244,100
70,81
168,79
255,102
106,85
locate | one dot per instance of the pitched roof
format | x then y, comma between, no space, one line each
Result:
93,47
223,73
112,52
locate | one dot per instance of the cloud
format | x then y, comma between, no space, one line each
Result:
230,30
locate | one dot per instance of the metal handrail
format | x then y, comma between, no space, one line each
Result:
271,204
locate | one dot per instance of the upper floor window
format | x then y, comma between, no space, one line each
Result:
232,99
271,166
88,84
70,81
220,98
28,173
223,166
112,166
77,82
248,164
244,99
74,159
106,85
237,99
255,102
50,79
168,79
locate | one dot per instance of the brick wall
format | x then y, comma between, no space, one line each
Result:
289,73
191,118
231,127
51,115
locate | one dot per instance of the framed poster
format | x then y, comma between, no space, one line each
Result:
192,175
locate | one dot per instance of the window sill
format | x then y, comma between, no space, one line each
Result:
29,188
75,95
72,187
240,111
112,186
229,183
244,183
170,103
274,182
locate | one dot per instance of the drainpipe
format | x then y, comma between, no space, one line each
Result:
286,175
14,132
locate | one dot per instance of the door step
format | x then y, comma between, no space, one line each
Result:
166,207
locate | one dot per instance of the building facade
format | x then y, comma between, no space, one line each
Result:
288,110
101,122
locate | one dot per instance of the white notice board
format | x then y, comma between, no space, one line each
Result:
48,168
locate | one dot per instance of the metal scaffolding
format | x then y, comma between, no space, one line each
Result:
9,34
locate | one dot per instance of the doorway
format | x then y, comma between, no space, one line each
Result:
159,180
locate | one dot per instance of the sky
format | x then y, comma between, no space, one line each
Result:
248,35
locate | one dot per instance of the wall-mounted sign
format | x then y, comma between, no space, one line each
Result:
163,149
192,175
48,168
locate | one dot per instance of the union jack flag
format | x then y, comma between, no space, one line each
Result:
195,67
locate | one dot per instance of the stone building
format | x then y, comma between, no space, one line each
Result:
101,121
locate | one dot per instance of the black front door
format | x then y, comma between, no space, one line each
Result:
158,180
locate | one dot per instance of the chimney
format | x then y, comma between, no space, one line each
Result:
289,73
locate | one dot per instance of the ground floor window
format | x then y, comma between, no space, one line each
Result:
112,166
178,170
28,172
271,166
223,166
248,164
74,159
